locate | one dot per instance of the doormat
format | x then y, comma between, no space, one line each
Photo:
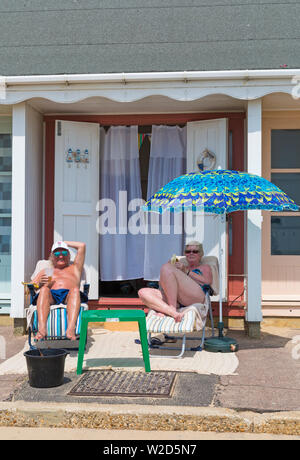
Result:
110,383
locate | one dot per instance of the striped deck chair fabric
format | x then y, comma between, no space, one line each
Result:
168,325
57,322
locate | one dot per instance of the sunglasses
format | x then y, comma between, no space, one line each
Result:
58,253
193,251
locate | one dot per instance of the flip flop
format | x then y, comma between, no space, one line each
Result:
155,341
169,339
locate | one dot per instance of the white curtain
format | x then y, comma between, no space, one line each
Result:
167,161
121,253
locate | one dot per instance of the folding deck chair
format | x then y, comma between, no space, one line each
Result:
57,322
194,319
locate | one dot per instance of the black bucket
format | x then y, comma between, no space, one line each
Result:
46,370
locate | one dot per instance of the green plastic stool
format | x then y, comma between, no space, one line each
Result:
94,316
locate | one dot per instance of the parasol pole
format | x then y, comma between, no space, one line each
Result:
220,326
221,280
220,344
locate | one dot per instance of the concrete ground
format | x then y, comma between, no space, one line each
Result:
7,433
268,374
12,345
267,381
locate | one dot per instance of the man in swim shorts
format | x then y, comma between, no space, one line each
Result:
62,287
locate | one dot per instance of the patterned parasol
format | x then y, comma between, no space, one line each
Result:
220,192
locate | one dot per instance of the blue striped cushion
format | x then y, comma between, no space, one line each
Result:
167,324
57,322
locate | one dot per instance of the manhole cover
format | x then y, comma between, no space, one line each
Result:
110,383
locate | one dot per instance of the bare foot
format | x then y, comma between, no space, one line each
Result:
70,333
178,317
41,334
161,315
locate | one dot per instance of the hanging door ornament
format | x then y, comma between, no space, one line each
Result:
78,157
86,159
206,160
69,157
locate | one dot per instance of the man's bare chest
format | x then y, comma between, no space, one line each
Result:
64,273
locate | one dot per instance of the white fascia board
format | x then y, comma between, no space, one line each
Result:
152,76
130,87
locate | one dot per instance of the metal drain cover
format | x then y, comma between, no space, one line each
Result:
110,383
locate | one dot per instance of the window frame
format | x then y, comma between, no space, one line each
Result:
285,171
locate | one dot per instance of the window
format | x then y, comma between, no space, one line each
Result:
5,211
285,173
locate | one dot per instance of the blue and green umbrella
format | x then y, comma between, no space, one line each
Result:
220,191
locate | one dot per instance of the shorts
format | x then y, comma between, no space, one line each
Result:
60,295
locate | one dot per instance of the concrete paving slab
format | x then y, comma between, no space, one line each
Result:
8,385
10,343
10,346
189,390
268,377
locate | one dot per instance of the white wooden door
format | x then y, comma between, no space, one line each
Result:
77,191
211,229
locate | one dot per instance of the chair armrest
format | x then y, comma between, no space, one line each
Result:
211,291
32,291
86,289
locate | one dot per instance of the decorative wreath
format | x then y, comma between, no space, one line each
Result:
206,160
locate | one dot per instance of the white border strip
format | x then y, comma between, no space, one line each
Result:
151,76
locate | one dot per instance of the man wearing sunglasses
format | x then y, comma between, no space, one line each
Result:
180,284
62,286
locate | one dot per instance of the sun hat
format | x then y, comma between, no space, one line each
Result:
60,244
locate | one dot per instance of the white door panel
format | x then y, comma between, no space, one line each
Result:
211,135
77,192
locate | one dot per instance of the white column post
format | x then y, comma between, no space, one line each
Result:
27,185
18,209
254,218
